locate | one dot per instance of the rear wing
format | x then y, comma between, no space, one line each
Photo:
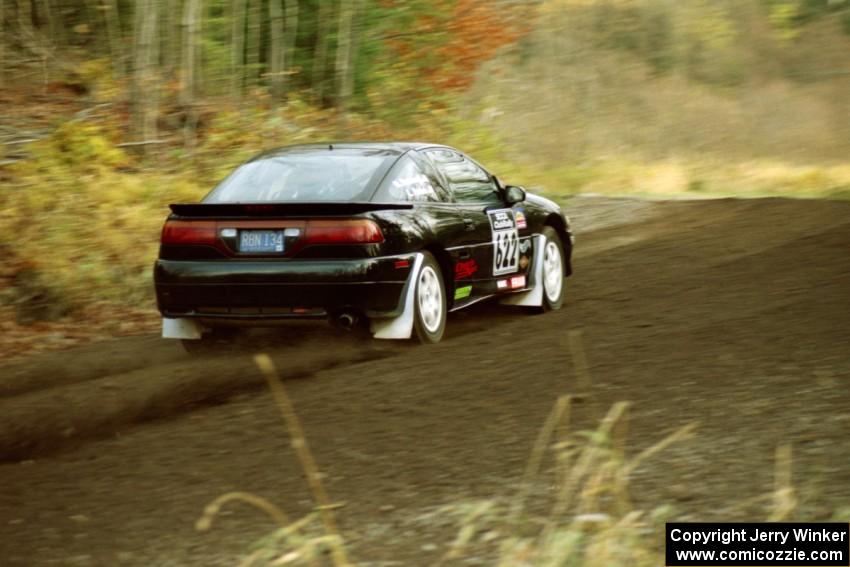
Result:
237,210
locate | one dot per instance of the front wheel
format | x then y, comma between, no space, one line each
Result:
430,302
552,273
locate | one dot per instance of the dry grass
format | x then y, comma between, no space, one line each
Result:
298,542
754,115
590,521
696,178
573,505
84,215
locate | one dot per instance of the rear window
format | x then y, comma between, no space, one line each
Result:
332,175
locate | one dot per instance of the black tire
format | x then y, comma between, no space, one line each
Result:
211,342
429,321
552,299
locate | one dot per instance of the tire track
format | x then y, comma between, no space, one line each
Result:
44,420
680,322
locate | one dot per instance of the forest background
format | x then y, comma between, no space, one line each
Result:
111,109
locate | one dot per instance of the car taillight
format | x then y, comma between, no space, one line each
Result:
188,232
356,231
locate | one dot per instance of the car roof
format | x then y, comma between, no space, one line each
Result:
395,147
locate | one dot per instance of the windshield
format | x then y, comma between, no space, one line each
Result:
331,175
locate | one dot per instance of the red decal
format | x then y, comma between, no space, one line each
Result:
465,269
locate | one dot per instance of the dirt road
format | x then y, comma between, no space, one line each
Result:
732,313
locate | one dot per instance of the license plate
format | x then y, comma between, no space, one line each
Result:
261,241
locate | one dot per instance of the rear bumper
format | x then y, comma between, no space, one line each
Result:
258,290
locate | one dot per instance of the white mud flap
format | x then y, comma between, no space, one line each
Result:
401,327
181,329
534,296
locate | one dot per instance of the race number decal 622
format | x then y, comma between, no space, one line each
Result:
505,241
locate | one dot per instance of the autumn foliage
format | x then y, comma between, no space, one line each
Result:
455,37
705,97
476,32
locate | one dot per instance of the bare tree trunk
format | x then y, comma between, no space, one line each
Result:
237,48
172,21
356,36
136,98
24,9
289,40
343,52
320,52
92,19
54,27
254,40
190,73
2,41
35,43
347,41
275,59
112,20
145,95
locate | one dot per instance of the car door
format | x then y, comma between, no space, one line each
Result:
491,241
414,179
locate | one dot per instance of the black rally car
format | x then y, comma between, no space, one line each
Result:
393,235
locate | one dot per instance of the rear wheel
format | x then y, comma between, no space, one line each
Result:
553,272
430,302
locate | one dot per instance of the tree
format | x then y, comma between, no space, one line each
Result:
282,34
345,51
190,71
24,9
2,40
254,39
276,49
237,47
289,40
113,33
53,26
145,89
320,52
172,29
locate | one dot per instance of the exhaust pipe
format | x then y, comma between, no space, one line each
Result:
347,320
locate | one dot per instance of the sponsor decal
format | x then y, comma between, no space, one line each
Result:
502,219
519,216
505,241
463,292
465,269
523,262
415,187
516,282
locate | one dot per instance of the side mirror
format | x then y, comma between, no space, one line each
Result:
514,194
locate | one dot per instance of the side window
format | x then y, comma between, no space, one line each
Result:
427,167
468,182
406,182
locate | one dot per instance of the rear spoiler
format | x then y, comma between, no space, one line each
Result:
220,210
